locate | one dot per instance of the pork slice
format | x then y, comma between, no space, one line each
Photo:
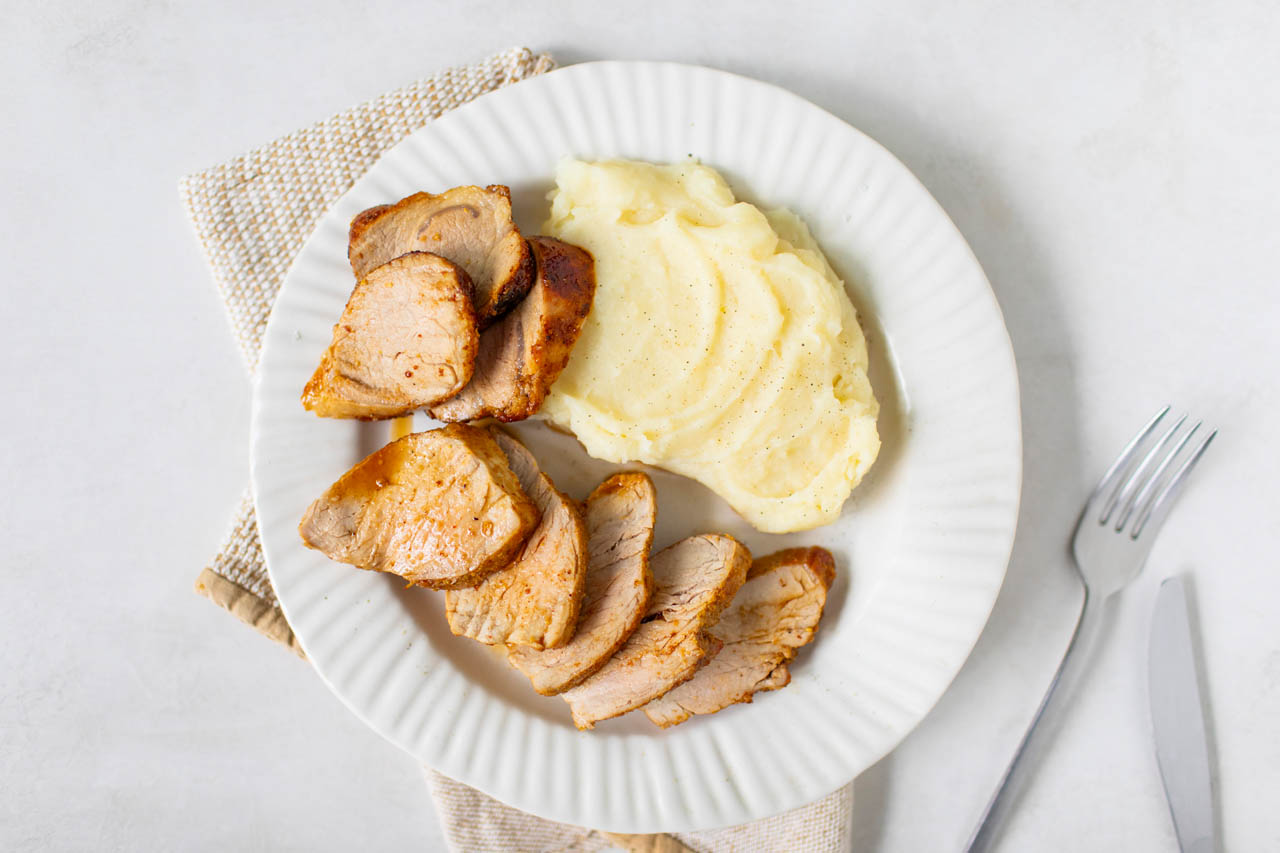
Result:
694,580
534,601
440,509
406,339
521,356
620,515
471,226
773,615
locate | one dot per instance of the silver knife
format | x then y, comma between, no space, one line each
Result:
1178,721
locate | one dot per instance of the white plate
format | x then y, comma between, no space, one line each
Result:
921,549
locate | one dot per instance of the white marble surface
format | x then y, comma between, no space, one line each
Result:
1111,163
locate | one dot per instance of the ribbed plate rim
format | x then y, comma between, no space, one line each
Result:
645,768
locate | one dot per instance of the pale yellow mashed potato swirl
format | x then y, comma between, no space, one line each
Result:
721,344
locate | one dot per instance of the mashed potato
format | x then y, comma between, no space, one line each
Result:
721,345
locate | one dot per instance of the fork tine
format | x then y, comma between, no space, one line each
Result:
1137,496
1108,480
1171,489
1131,481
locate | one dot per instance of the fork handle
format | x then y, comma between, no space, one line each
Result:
1087,623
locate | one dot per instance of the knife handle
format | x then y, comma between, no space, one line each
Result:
1074,661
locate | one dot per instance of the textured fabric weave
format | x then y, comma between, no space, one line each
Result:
252,216
474,825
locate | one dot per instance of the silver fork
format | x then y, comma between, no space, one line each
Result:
1112,540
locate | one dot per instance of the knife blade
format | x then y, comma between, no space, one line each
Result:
1177,719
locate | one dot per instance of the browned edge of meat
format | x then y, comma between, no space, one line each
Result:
694,580
440,509
407,339
471,226
775,612
620,516
360,224
523,272
521,356
534,601
816,560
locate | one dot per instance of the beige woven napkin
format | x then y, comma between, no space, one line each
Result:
252,215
